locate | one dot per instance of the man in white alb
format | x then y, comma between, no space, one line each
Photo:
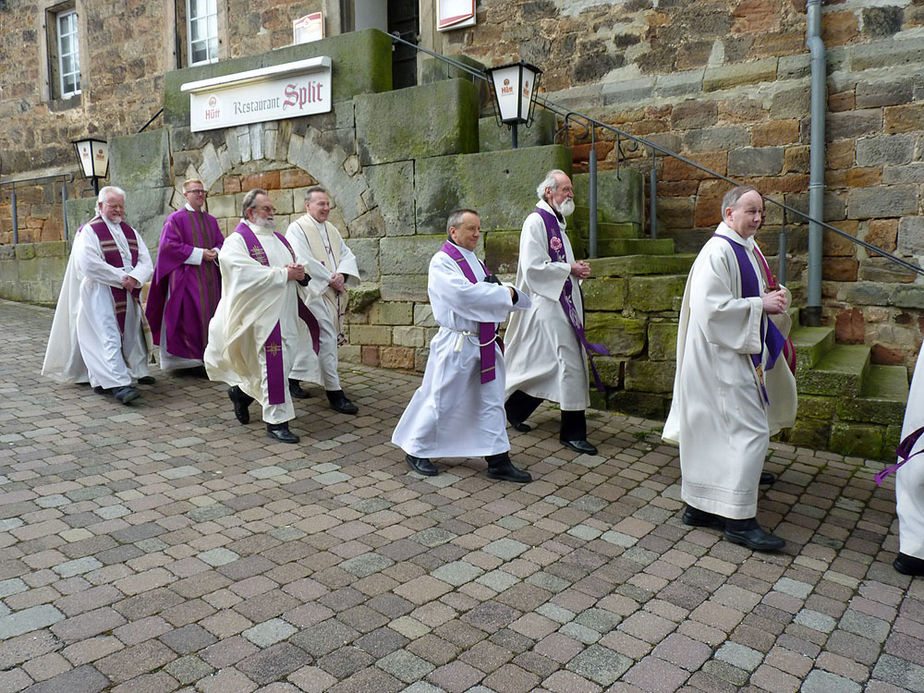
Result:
732,389
458,411
99,334
546,346
260,318
320,248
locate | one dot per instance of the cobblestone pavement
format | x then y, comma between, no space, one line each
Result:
162,546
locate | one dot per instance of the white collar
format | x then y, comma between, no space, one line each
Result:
724,229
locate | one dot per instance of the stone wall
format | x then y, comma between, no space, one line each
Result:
726,83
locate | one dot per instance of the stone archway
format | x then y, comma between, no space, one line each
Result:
253,151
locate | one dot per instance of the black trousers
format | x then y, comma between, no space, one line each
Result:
519,406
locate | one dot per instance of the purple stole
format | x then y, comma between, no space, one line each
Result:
903,452
487,331
113,257
276,377
770,335
557,254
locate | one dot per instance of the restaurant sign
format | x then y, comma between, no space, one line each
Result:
290,90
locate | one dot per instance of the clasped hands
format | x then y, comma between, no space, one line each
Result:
295,272
581,269
774,302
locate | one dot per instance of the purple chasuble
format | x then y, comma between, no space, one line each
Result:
557,254
182,298
770,335
487,331
276,378
113,257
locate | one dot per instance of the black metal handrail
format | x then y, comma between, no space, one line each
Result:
591,124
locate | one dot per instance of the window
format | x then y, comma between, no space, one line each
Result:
202,31
68,54
62,42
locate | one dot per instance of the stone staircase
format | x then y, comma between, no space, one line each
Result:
846,404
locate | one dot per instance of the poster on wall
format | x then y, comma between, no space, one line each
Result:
455,14
308,28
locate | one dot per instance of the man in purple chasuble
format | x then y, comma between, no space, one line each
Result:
732,389
187,285
99,334
458,410
260,318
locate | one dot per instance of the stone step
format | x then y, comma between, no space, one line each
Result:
841,371
609,231
882,399
811,344
635,265
633,246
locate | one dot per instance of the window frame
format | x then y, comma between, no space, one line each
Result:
211,23
67,14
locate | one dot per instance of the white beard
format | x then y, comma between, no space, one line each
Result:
268,225
566,208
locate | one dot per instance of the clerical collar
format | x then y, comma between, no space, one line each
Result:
464,250
726,230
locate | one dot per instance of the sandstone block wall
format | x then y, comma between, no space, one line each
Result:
726,84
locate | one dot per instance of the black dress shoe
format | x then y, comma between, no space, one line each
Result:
749,533
500,467
909,565
240,401
126,394
767,478
146,380
281,433
581,446
295,389
100,390
519,426
694,517
421,465
339,402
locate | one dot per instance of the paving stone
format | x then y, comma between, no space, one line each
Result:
28,620
824,682
900,673
405,666
600,664
85,679
273,663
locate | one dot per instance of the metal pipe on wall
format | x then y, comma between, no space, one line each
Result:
812,313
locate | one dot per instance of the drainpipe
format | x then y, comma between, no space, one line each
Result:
812,314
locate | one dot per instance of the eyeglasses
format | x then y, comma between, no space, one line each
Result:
195,192
267,208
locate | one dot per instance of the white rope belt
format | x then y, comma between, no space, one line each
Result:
471,336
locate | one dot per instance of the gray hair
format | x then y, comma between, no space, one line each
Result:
455,218
312,190
250,200
108,190
550,181
730,199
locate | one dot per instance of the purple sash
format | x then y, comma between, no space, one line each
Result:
276,379
904,454
770,334
557,254
487,331
113,257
